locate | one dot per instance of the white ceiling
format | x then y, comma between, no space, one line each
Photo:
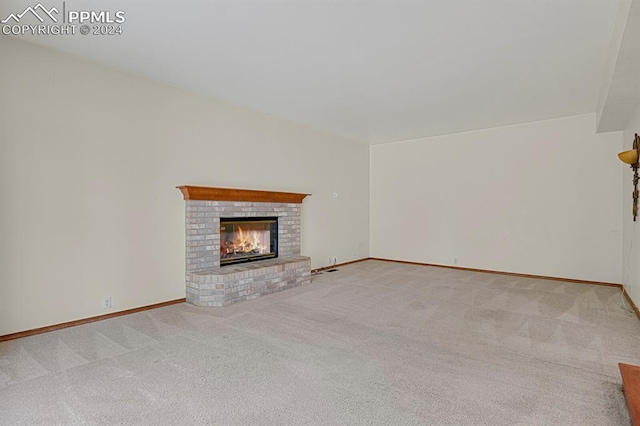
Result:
374,71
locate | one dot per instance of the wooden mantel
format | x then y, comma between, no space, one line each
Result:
233,194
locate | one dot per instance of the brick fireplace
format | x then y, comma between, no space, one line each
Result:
210,284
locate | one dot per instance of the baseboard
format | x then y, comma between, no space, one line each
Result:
633,305
86,320
324,268
489,271
462,268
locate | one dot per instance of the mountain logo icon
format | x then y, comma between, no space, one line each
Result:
34,11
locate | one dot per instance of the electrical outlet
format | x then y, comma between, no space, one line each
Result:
334,260
455,260
106,303
354,255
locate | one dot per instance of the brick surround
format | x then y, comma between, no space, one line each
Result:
208,284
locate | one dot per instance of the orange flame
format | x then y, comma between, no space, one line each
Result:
243,244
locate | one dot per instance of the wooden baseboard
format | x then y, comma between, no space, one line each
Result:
486,271
86,320
633,305
337,265
489,271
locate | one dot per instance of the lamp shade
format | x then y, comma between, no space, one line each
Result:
629,157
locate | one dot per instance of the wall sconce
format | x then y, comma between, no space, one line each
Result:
631,157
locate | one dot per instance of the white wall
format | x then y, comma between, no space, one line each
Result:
611,62
539,198
630,229
89,161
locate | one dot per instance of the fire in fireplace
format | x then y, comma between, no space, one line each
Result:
248,239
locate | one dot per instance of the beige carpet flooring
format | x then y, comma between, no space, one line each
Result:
375,343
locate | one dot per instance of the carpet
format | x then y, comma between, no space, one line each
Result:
374,343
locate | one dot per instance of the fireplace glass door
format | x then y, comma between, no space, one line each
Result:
248,239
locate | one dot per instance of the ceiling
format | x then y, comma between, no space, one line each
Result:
374,71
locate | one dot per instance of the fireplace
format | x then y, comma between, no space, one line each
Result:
247,239
214,274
